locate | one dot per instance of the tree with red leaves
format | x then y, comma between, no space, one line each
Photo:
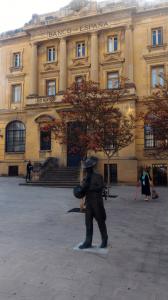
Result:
102,125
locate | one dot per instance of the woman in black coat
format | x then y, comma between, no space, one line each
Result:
146,182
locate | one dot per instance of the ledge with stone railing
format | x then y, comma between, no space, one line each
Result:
44,100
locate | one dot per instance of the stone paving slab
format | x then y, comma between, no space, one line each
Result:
37,237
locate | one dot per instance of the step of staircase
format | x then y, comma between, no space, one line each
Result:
58,177
51,184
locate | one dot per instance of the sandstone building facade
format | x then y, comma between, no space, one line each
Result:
97,41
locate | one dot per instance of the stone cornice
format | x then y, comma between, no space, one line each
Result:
16,76
6,37
157,56
77,18
28,29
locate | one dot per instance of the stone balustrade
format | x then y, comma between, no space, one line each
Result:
44,100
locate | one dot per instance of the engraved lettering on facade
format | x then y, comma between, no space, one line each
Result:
82,28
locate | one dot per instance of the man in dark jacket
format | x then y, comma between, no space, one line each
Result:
29,171
93,186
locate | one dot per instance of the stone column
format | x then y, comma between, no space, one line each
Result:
63,65
129,53
94,57
33,70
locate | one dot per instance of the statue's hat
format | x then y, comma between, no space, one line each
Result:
90,162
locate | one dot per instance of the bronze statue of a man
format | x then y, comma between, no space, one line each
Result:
92,187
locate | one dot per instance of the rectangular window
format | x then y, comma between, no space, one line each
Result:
17,60
51,54
112,44
79,80
16,93
45,140
80,49
112,80
51,88
157,76
157,37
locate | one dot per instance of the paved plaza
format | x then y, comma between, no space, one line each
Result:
37,237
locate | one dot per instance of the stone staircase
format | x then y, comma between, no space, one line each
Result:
60,177
51,174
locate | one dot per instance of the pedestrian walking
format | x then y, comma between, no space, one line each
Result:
92,188
29,169
146,183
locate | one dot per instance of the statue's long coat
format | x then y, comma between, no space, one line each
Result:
93,186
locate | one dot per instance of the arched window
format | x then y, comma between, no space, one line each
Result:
15,137
45,131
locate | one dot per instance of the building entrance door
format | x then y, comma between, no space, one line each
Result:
159,175
13,171
113,173
73,149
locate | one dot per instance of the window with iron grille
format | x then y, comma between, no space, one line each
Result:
149,138
15,137
110,138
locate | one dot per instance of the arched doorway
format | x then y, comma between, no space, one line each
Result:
44,131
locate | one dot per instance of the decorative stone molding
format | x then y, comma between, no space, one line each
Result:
44,119
14,69
114,58
158,47
112,55
156,57
16,76
50,66
82,62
